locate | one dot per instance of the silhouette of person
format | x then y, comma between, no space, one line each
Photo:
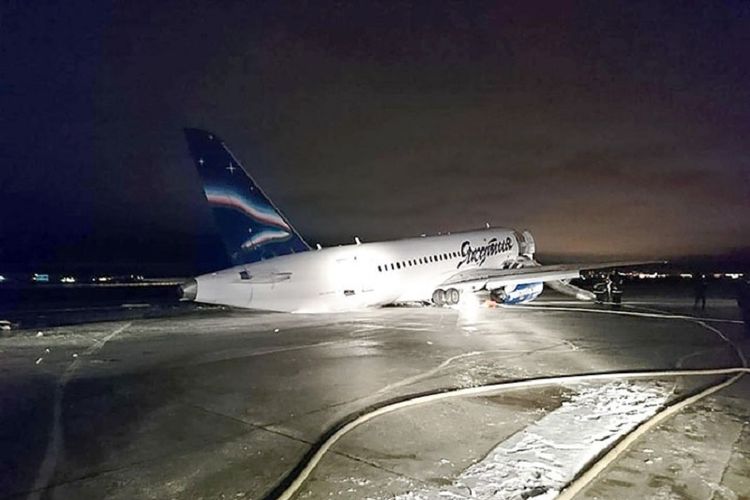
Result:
743,300
700,287
609,283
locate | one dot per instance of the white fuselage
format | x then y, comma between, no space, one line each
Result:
357,276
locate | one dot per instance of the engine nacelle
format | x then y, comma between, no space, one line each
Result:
518,294
526,244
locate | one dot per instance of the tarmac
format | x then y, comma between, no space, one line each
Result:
402,402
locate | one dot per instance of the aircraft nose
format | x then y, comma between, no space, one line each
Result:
188,290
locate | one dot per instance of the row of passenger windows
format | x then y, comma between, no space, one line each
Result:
417,262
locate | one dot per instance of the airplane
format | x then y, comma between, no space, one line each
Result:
274,268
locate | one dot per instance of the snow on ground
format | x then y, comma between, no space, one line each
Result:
537,462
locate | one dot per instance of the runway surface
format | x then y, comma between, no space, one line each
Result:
399,402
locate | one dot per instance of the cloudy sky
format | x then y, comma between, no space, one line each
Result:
606,128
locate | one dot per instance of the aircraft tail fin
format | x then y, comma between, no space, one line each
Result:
250,225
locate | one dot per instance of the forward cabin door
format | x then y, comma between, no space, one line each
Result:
348,279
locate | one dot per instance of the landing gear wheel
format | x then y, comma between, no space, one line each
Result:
438,297
452,296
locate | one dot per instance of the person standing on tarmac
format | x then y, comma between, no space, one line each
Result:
743,300
700,286
609,284
615,288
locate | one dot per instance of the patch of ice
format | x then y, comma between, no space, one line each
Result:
537,462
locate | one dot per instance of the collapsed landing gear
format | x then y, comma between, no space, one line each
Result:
447,297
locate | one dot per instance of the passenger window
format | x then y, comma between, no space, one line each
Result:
398,265
244,275
380,270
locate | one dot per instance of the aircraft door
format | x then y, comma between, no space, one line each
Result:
348,277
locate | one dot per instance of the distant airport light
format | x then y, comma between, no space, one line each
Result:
686,275
40,278
650,276
2,278
67,279
734,276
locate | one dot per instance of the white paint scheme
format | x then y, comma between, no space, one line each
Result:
445,269
347,278
316,281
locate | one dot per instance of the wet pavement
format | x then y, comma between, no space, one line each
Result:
224,404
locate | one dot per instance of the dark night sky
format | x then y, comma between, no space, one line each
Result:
608,130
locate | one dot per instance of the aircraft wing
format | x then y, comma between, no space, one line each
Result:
491,279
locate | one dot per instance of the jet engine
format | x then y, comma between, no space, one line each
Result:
517,294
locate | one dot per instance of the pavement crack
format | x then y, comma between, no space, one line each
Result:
378,466
735,450
262,427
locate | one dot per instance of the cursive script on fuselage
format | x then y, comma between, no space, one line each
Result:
479,254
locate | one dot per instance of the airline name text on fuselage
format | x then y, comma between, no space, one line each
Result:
479,254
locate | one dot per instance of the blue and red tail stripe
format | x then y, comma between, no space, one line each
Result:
250,225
